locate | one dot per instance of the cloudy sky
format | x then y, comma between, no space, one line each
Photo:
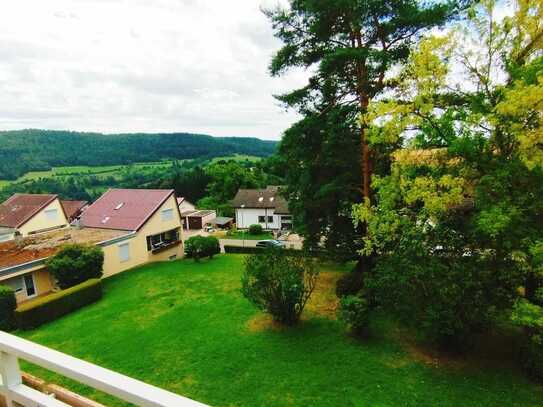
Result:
141,65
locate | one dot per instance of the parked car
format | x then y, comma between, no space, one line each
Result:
263,244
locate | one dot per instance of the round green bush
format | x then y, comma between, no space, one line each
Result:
255,229
7,308
76,263
197,247
354,312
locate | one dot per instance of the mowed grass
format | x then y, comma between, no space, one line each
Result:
240,235
186,327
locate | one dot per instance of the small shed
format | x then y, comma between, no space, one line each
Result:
222,222
196,220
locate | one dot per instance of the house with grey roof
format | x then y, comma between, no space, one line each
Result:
265,207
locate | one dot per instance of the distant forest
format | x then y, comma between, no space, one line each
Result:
22,151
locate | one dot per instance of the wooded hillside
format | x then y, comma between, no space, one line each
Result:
36,150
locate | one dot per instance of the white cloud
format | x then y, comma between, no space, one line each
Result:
141,65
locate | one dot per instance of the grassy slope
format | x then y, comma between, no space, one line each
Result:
186,327
108,170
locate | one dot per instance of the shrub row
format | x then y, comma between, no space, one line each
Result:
53,306
7,308
256,250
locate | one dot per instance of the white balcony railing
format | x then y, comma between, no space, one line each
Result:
13,348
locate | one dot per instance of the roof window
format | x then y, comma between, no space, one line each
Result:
105,219
261,199
119,206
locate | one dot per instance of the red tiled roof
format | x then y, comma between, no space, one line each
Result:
20,208
72,209
124,209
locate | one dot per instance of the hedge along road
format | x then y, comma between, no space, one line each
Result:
297,245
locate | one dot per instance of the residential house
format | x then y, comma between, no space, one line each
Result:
22,261
74,209
133,227
150,215
265,207
27,214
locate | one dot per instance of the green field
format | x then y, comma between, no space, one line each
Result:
186,327
107,170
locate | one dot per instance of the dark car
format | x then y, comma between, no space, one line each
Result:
264,244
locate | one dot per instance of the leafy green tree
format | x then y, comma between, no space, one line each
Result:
279,284
456,223
197,247
75,263
350,48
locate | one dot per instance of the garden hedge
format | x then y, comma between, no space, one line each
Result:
7,308
255,250
53,306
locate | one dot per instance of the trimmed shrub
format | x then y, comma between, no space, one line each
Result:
255,230
7,308
349,284
76,263
197,247
50,307
279,284
354,312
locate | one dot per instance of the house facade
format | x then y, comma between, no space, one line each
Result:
27,214
264,207
150,216
133,227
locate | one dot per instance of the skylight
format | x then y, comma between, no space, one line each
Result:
272,198
119,206
105,219
260,199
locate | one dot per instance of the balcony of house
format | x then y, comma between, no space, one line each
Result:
16,392
163,241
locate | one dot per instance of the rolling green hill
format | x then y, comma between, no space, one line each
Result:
23,151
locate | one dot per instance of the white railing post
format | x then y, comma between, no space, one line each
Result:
11,375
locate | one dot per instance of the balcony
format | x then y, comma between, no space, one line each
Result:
16,394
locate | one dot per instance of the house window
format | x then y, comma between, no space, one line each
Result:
270,219
124,252
24,284
160,240
51,214
261,219
167,214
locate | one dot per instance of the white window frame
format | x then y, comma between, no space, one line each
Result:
121,246
33,283
49,214
166,215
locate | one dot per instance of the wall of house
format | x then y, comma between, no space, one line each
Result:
186,206
40,222
43,283
137,246
249,216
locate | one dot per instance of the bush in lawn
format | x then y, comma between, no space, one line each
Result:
7,308
354,312
529,316
197,247
211,246
76,263
50,307
255,230
279,284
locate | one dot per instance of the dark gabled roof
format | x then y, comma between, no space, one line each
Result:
124,209
72,209
20,208
269,198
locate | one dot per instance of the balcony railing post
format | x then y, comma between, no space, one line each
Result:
11,376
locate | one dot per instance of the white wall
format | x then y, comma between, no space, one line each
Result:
247,217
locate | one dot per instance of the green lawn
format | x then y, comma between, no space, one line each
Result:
186,327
